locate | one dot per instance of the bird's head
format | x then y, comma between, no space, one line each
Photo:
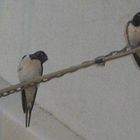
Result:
136,19
40,55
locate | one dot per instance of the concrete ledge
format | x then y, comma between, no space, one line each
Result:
44,126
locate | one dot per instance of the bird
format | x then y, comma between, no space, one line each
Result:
133,35
29,68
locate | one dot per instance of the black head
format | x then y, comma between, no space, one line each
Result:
40,55
136,19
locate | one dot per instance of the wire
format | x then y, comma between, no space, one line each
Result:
101,60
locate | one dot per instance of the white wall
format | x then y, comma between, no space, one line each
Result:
96,103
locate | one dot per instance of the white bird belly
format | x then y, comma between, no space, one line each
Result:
134,35
29,69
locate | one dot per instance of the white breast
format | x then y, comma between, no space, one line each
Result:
134,35
29,69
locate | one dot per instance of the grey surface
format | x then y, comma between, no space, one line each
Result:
97,103
44,126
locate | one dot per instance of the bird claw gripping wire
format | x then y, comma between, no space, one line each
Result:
100,60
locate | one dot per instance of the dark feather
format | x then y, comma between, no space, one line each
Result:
137,58
24,102
24,57
28,117
34,99
41,70
29,110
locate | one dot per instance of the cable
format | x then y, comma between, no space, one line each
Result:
101,60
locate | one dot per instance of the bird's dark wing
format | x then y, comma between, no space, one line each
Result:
29,110
24,102
34,97
137,58
127,32
41,70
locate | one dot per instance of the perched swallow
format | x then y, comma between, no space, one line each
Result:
29,68
133,35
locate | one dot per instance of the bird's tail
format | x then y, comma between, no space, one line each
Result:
28,117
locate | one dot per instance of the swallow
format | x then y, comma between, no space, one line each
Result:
133,35
29,68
